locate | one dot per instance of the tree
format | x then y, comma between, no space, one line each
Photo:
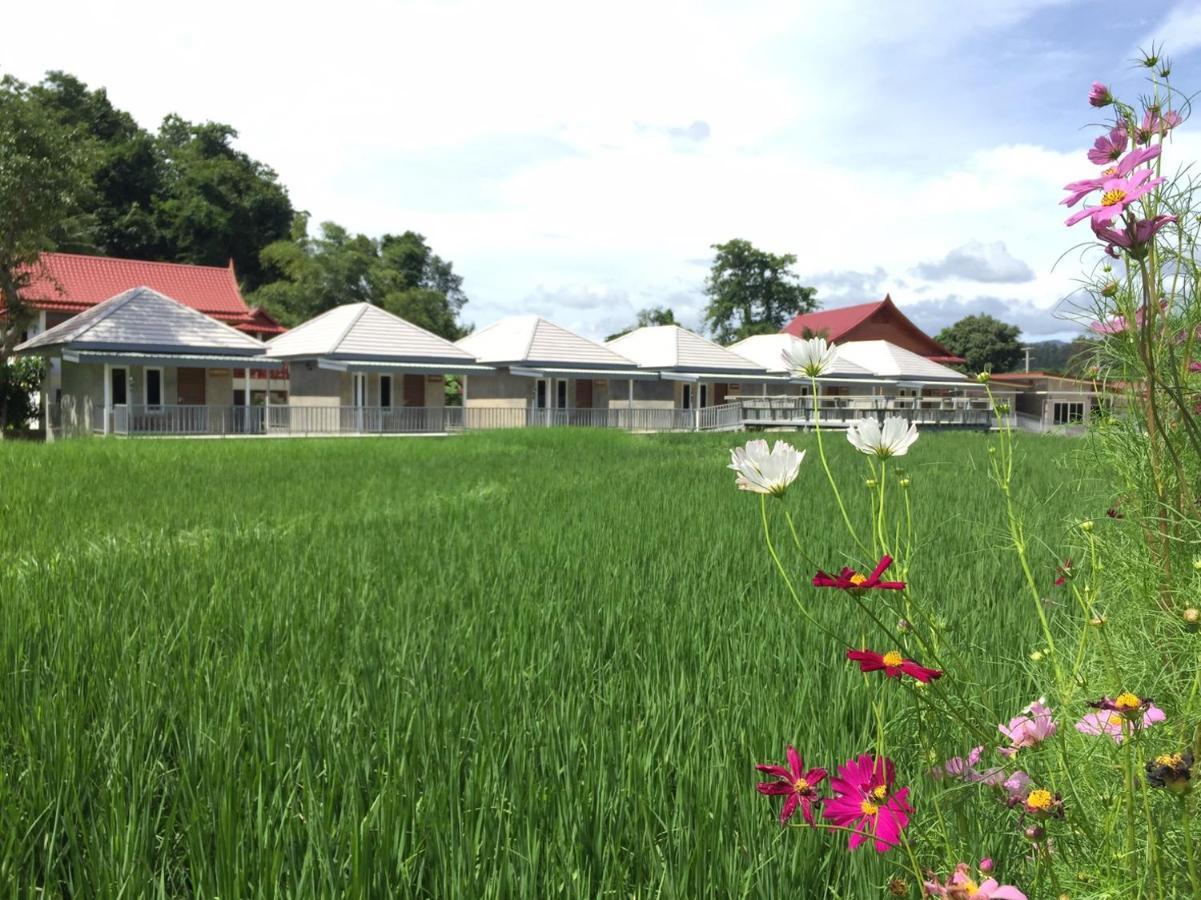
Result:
400,273
652,315
987,344
44,170
752,292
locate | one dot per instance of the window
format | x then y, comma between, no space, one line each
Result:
118,380
540,400
687,397
704,395
385,391
561,394
153,387
1065,413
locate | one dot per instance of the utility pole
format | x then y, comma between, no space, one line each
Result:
1027,349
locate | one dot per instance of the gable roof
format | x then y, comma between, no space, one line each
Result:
678,349
143,320
72,282
362,331
838,325
767,350
887,360
532,340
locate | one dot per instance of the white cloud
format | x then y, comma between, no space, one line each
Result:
1178,32
975,261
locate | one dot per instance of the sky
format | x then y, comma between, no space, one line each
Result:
579,160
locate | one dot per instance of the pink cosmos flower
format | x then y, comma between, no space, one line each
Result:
893,665
1156,124
1081,189
961,886
1117,325
1108,148
865,803
1133,237
1116,195
799,786
961,768
1116,725
1028,730
1099,95
850,580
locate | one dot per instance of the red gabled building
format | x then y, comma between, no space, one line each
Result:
878,321
65,284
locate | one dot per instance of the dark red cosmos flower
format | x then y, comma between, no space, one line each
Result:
794,782
1063,572
893,664
850,580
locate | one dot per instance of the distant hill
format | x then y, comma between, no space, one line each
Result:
1068,357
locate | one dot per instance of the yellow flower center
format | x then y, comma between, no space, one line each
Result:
858,579
880,792
1112,170
1127,702
892,659
1112,197
800,785
868,808
1169,759
1115,719
969,886
1040,799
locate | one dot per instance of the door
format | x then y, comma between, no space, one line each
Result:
583,393
704,393
189,389
686,402
414,390
120,387
719,393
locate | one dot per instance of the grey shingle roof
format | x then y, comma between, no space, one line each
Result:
365,332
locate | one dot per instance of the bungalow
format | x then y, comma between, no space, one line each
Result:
1047,401
358,368
880,320
144,363
543,366
767,350
694,372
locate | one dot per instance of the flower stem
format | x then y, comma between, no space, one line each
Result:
821,452
1186,825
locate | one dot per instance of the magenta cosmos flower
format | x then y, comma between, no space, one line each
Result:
799,786
866,804
1030,729
1078,190
962,886
1116,195
1099,95
892,664
1134,237
961,768
1154,123
1108,148
1120,716
850,580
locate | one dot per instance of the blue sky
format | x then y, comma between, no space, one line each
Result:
578,160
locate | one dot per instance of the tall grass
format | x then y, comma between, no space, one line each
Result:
529,664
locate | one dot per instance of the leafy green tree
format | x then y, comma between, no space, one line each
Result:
987,344
652,315
752,292
44,170
400,273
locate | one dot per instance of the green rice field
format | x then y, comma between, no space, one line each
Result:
522,664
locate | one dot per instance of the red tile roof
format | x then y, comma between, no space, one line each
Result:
879,317
71,282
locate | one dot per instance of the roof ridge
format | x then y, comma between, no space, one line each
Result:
117,303
538,320
363,307
140,262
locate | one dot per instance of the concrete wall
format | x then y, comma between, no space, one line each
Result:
500,391
218,387
310,386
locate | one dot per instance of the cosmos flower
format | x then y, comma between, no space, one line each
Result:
765,473
850,580
1030,729
962,886
961,768
1099,95
799,786
1078,190
1042,804
1063,572
812,358
1116,195
1172,771
1154,123
893,438
866,803
1108,148
892,664
1117,717
1134,237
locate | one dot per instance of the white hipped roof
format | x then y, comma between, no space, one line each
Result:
142,320
886,360
363,332
533,342
676,349
767,350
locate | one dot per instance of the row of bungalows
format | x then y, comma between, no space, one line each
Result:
144,362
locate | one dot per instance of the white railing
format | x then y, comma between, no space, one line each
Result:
71,417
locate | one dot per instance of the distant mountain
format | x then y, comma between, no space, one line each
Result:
1068,357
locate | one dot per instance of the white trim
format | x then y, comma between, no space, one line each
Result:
146,370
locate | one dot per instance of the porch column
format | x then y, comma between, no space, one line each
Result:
108,395
267,405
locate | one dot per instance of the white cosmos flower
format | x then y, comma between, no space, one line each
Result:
893,438
812,358
763,471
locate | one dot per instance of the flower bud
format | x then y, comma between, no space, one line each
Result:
1109,289
904,626
1192,619
1197,563
898,887
1099,94
904,482
1035,833
986,865
1036,656
871,483
984,377
1086,525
